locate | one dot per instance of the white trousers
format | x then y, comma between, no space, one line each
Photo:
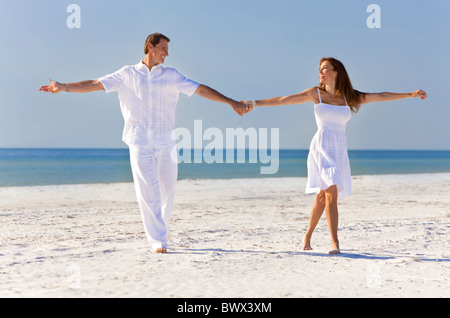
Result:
155,177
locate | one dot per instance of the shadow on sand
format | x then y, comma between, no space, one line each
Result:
344,254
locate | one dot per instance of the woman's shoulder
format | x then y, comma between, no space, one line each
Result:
313,93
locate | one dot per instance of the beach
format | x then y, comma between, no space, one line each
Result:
228,238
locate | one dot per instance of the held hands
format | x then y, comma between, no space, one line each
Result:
419,93
243,107
249,105
53,88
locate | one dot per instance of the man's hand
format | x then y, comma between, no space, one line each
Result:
239,107
54,87
248,106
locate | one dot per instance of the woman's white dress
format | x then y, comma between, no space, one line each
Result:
328,162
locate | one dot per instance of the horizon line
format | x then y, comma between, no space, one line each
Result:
219,149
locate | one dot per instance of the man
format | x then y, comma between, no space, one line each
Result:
148,94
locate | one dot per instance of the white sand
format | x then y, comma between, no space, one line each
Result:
228,238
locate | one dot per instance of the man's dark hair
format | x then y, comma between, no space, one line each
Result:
154,39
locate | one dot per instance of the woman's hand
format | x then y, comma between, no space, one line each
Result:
419,93
238,107
248,106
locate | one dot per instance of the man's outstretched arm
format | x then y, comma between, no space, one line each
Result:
79,87
211,94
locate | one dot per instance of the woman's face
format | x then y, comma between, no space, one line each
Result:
327,74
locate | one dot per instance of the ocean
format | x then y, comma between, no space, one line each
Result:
30,167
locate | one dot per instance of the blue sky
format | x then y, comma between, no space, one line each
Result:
244,49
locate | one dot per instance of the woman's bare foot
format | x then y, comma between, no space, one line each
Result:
307,244
160,250
334,249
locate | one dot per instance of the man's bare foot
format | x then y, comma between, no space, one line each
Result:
334,252
160,250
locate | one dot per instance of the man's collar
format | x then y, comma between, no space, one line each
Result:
141,66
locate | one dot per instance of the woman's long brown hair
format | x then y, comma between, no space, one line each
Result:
344,85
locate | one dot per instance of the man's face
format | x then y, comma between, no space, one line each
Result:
159,52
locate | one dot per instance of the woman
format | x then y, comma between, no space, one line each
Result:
328,164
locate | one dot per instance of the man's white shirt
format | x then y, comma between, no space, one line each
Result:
148,101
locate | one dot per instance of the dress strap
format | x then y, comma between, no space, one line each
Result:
318,92
345,100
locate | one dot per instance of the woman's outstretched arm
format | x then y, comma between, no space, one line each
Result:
300,98
385,96
303,97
